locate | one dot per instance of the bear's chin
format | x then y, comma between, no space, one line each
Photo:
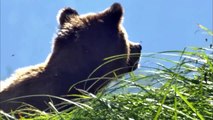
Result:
133,65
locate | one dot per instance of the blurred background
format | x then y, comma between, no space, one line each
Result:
28,26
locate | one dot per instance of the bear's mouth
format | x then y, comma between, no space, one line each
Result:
134,62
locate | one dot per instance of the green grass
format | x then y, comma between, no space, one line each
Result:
171,85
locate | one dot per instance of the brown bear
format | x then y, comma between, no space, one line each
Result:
88,52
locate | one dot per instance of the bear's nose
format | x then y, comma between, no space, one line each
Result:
139,47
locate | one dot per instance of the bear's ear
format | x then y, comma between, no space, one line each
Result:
113,15
65,14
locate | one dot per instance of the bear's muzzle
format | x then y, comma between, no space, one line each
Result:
134,58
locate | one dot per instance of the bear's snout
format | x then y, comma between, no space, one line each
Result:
135,53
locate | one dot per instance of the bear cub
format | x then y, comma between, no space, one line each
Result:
88,52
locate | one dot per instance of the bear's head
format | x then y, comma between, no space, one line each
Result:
93,46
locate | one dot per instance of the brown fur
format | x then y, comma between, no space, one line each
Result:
81,45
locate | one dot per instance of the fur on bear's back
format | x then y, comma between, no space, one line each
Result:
21,74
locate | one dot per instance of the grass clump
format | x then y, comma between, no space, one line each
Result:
182,91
